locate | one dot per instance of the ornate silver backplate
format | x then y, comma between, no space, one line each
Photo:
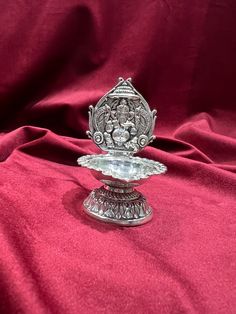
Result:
122,120
121,124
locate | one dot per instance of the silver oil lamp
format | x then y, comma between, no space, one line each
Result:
121,124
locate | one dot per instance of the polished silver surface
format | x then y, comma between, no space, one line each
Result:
122,120
121,124
125,168
127,208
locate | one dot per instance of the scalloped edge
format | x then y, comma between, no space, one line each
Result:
159,168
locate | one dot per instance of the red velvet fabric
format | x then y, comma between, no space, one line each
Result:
57,58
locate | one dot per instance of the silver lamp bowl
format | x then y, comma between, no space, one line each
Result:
121,124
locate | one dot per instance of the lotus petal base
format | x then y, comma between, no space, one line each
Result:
126,207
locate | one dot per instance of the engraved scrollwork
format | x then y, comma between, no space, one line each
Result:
122,120
98,137
143,140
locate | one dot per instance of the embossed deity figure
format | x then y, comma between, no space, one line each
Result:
122,120
123,112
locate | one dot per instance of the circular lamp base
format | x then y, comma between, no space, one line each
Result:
126,207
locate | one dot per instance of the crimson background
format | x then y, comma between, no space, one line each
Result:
57,58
